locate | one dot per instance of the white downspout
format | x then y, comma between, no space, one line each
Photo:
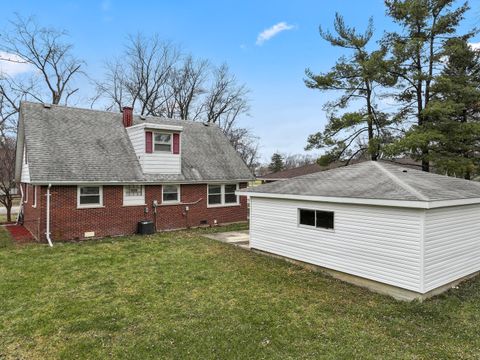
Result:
21,203
47,232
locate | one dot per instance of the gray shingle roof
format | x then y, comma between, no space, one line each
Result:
375,180
67,144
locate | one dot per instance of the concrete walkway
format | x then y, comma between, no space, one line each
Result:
237,238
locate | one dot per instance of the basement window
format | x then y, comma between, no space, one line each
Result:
89,196
315,218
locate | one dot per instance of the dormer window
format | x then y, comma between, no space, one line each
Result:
162,142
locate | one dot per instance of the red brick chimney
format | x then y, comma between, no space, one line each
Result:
127,116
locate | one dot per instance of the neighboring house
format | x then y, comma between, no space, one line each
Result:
87,173
397,230
313,168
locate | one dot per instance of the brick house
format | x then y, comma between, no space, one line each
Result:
88,174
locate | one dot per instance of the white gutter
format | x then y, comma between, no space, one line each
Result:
140,182
47,232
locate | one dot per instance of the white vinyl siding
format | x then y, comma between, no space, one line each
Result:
156,162
25,175
452,244
133,195
377,243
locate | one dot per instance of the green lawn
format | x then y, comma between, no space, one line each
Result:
179,295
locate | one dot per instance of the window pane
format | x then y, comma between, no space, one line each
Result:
89,190
214,199
307,217
325,219
89,199
133,190
170,193
230,198
214,189
170,196
230,188
162,138
162,147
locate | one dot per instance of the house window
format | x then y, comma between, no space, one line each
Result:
222,195
315,218
90,196
34,196
170,194
162,142
133,195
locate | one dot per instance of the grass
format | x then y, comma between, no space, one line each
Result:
180,295
5,240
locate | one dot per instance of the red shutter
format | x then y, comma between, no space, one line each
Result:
176,143
148,142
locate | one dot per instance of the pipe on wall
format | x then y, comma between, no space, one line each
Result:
47,232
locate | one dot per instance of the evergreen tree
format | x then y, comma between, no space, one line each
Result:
417,51
453,129
277,163
350,134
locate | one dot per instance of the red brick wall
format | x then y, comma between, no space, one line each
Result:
34,219
68,222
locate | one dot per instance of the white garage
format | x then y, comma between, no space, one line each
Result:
393,229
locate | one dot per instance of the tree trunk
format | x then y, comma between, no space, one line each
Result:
9,213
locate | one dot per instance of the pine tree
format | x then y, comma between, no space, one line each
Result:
276,163
454,113
350,134
417,51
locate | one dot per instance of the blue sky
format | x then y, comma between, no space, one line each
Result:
283,111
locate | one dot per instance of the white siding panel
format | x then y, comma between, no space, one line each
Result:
452,244
154,163
377,243
25,175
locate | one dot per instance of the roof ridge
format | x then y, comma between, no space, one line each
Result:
400,182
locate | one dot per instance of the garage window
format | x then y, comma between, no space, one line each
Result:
315,218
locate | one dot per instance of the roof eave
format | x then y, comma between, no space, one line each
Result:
143,182
415,204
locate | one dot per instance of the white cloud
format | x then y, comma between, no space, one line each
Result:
12,65
267,34
106,5
475,46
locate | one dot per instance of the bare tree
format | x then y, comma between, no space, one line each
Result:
141,75
187,85
7,173
226,99
246,144
49,55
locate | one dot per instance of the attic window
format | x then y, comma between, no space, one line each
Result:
162,142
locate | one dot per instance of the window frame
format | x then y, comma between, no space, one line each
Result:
315,226
135,200
172,202
90,206
222,195
162,143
